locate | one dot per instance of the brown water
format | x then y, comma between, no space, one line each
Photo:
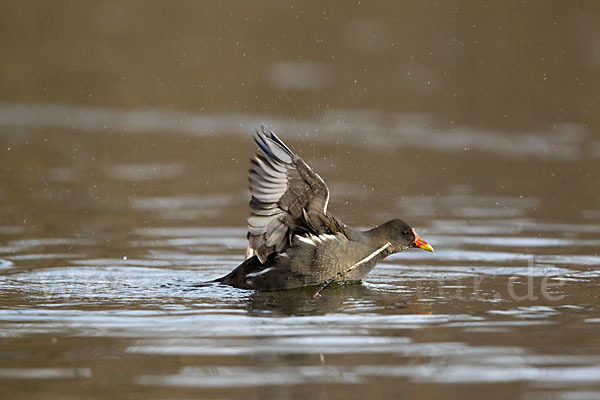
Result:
125,134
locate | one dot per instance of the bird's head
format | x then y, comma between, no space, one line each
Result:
403,236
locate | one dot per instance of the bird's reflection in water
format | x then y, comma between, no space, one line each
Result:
346,297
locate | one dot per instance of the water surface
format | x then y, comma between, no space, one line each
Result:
99,274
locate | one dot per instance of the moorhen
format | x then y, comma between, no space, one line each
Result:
293,241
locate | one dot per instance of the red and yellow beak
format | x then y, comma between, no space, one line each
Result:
420,243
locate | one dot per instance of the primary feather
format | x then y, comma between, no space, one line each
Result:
288,198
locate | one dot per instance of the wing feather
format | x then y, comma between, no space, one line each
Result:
288,197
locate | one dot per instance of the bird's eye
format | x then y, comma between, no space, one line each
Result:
404,232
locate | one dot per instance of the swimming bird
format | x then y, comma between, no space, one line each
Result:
293,240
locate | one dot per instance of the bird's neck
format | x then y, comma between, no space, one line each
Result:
376,237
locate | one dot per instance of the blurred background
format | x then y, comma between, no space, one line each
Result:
393,97
125,138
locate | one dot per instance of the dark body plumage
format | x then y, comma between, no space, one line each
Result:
293,240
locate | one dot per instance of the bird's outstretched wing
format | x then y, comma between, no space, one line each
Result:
288,198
